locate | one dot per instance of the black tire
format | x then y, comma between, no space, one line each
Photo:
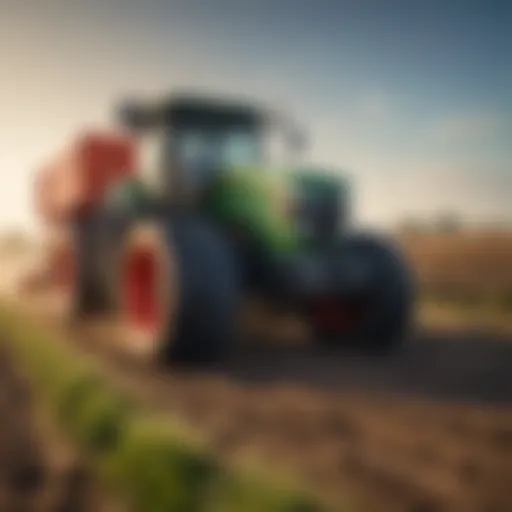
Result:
204,326
88,297
389,296
97,238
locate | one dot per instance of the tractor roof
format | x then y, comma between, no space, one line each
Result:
196,110
200,110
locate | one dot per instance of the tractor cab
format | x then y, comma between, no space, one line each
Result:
186,141
217,224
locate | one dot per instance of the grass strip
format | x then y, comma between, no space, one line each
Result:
159,465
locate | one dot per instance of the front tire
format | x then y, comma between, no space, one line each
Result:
384,305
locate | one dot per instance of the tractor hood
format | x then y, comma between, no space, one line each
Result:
284,209
321,203
319,182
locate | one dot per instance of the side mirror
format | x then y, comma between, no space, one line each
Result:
294,137
135,115
128,114
297,140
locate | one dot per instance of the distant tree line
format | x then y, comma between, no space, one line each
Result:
441,223
447,222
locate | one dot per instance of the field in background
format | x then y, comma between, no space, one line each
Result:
466,271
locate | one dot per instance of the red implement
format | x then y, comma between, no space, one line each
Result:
77,178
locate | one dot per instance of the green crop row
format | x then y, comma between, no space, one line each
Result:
156,463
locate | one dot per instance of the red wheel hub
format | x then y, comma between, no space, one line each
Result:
336,315
140,289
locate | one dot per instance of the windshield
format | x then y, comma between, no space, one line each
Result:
200,152
200,149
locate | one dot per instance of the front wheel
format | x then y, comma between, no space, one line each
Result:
374,308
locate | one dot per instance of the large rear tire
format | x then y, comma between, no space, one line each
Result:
383,309
195,290
95,244
206,322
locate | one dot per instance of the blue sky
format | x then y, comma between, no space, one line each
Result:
412,98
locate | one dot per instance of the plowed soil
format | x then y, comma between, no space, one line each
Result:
426,430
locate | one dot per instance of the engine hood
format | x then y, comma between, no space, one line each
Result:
276,204
319,181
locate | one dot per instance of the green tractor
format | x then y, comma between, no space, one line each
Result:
210,222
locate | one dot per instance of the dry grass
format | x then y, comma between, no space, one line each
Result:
14,242
473,269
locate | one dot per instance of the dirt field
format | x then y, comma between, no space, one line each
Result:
466,267
427,430
37,472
